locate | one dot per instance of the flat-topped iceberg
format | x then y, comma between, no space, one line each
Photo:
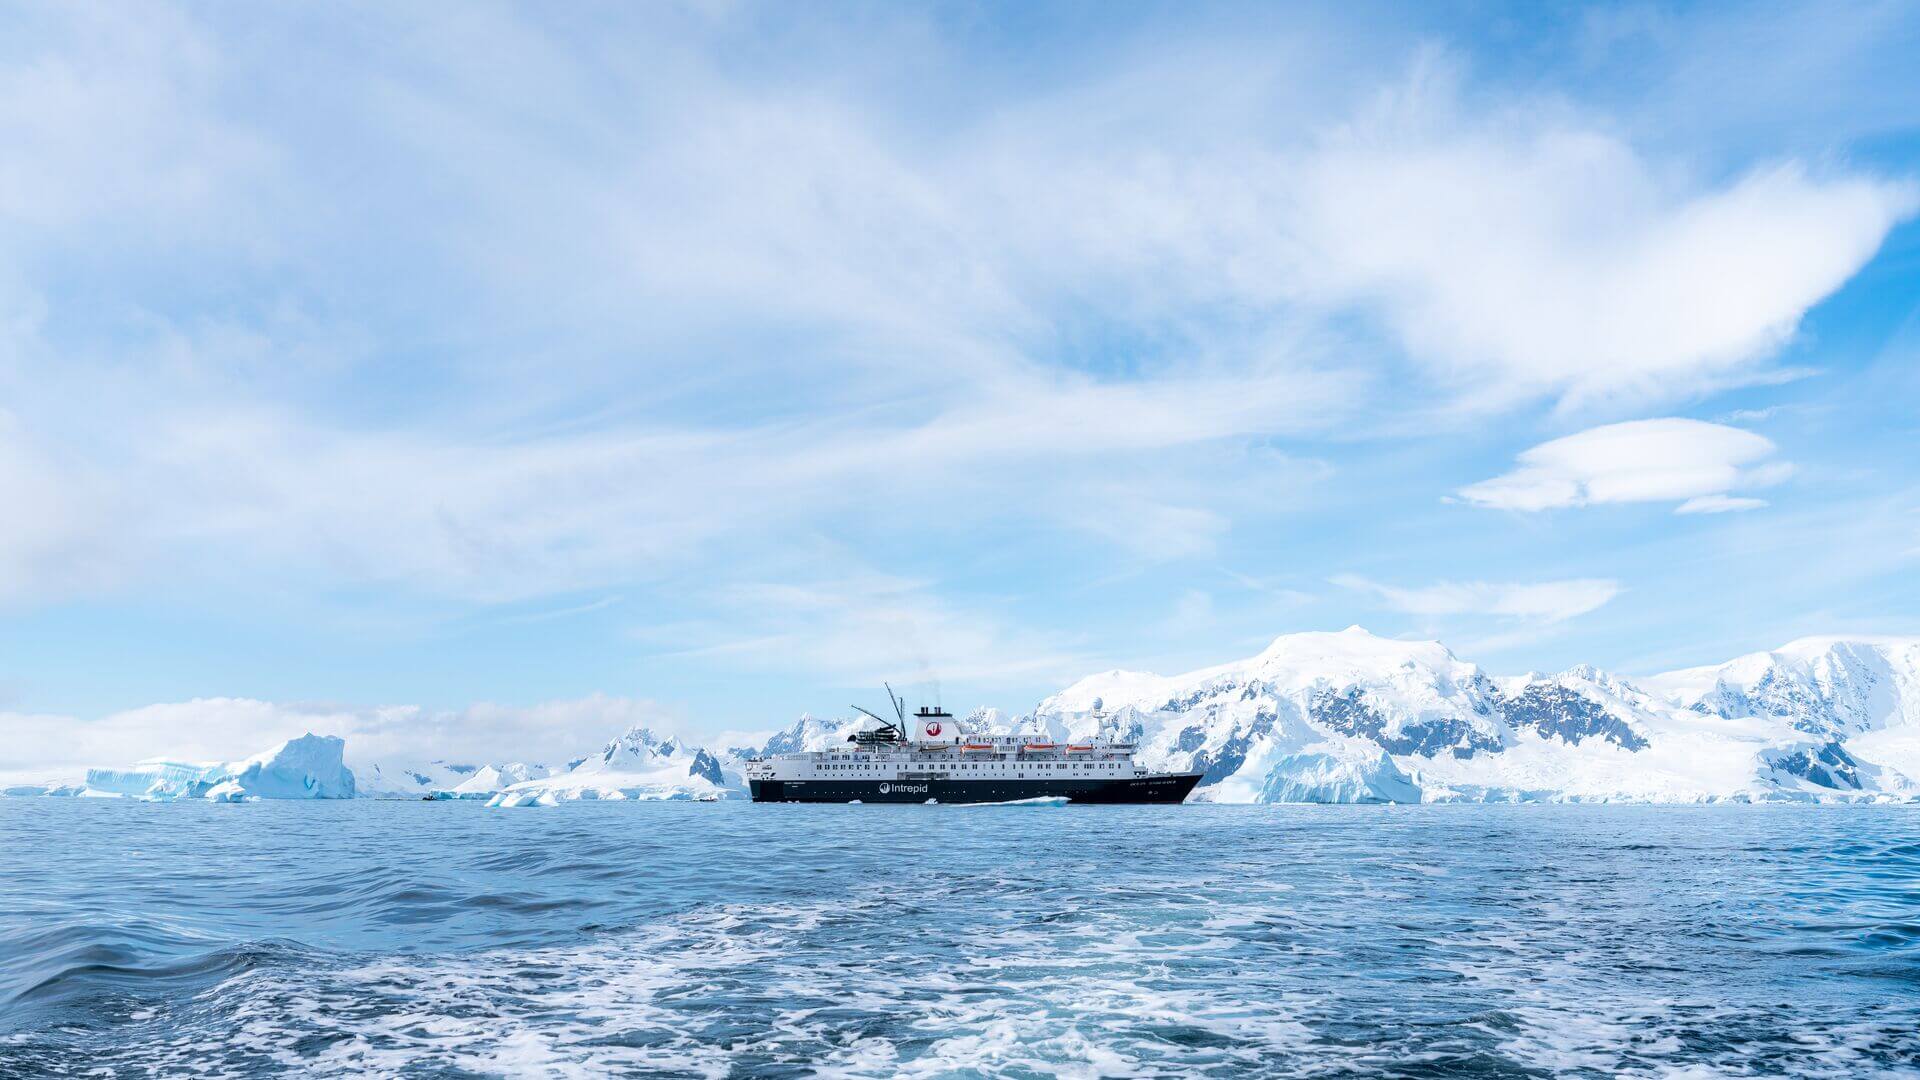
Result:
309,767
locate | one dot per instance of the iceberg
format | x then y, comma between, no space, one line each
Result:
156,778
1333,778
309,767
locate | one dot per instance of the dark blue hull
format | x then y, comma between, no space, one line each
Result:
1168,788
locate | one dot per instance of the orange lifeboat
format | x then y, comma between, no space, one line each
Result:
1071,749
976,746
1039,746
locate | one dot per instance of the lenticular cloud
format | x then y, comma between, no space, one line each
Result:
1690,462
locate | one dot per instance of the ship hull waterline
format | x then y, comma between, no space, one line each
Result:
1166,788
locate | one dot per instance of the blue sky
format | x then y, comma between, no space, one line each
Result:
493,374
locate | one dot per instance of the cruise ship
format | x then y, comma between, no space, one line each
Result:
929,759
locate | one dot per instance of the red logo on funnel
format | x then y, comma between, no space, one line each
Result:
933,729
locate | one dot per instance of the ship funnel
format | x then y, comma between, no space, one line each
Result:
935,727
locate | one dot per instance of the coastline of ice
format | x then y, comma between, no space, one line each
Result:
1344,717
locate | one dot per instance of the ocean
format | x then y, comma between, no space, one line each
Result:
732,939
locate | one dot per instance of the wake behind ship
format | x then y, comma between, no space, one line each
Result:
941,763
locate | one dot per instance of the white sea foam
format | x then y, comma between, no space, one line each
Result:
739,988
1441,940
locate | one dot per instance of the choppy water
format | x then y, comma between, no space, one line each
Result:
440,939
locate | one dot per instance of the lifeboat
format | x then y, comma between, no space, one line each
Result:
976,746
1040,746
1072,749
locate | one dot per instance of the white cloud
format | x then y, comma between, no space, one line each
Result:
49,746
1718,504
893,304
861,631
448,345
108,113
1193,613
57,522
505,520
1547,601
1536,253
1667,460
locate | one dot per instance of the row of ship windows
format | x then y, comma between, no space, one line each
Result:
948,758
963,767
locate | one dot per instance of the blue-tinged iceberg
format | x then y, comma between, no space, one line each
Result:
309,767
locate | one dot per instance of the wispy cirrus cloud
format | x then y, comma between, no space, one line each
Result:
864,630
922,288
1546,601
1693,463
493,306
1531,252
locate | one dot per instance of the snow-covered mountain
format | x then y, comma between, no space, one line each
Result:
1855,700
442,779
1355,717
636,765
1825,686
809,733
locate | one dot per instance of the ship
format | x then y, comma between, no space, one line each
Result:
931,759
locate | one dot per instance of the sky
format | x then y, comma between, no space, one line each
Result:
477,379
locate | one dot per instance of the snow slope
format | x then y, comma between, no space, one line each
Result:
1825,686
442,779
1351,716
636,765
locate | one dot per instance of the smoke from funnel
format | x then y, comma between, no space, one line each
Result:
928,679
